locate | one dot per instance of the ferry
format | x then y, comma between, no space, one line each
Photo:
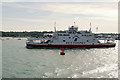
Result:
71,38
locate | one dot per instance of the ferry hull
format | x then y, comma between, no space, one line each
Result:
69,46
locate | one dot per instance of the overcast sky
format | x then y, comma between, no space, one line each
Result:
39,16
59,0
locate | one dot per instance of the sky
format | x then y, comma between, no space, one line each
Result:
59,0
40,16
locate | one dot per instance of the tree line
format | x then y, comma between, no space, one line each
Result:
40,34
24,34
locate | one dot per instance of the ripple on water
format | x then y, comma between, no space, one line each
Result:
48,75
22,62
111,69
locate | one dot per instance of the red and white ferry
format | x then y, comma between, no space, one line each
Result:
71,38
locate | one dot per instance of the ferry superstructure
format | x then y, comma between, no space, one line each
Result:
71,38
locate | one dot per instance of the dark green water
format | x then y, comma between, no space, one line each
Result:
19,62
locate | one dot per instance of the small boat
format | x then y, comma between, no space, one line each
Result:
71,38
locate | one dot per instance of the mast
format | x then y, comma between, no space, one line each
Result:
90,27
55,26
96,29
74,23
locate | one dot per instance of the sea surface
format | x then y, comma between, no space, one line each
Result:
19,62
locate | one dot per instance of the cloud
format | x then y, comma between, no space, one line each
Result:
60,1
82,9
87,9
100,14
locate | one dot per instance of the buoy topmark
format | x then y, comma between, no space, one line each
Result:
63,51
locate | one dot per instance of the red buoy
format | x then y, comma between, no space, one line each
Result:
63,51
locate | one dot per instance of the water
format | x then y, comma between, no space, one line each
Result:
19,62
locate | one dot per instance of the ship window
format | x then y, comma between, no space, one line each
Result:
65,34
69,37
87,40
59,34
82,35
63,40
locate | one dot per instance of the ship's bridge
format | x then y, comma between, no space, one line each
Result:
73,29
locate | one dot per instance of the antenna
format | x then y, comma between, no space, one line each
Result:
90,27
74,23
96,29
55,26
